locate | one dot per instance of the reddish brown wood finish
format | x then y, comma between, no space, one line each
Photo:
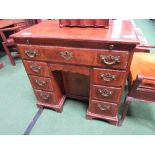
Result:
121,64
108,77
107,94
75,80
76,84
70,68
83,56
47,33
145,94
45,97
3,24
16,26
103,108
6,22
49,100
58,87
73,58
84,22
140,92
57,107
41,83
36,68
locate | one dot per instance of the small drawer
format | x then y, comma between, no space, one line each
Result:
30,52
41,83
103,108
120,47
45,97
107,94
112,59
109,77
36,68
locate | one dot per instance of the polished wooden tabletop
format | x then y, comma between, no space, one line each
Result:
6,22
119,31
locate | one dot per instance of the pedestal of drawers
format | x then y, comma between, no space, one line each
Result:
107,87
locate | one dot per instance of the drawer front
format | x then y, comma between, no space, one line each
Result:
108,77
58,54
41,83
36,68
85,56
45,97
112,59
107,94
103,108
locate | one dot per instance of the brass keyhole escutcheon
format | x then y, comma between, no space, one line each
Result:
66,55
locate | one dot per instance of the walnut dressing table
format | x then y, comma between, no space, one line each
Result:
91,64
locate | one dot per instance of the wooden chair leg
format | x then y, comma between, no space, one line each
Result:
9,54
129,81
128,101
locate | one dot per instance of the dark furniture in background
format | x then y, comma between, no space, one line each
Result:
15,25
3,24
90,64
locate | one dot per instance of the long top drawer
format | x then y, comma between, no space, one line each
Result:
84,56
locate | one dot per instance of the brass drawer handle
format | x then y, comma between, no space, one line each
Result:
31,53
44,96
35,68
104,92
40,82
111,47
109,59
103,107
66,55
107,77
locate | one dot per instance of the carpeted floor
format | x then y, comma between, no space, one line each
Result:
18,106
